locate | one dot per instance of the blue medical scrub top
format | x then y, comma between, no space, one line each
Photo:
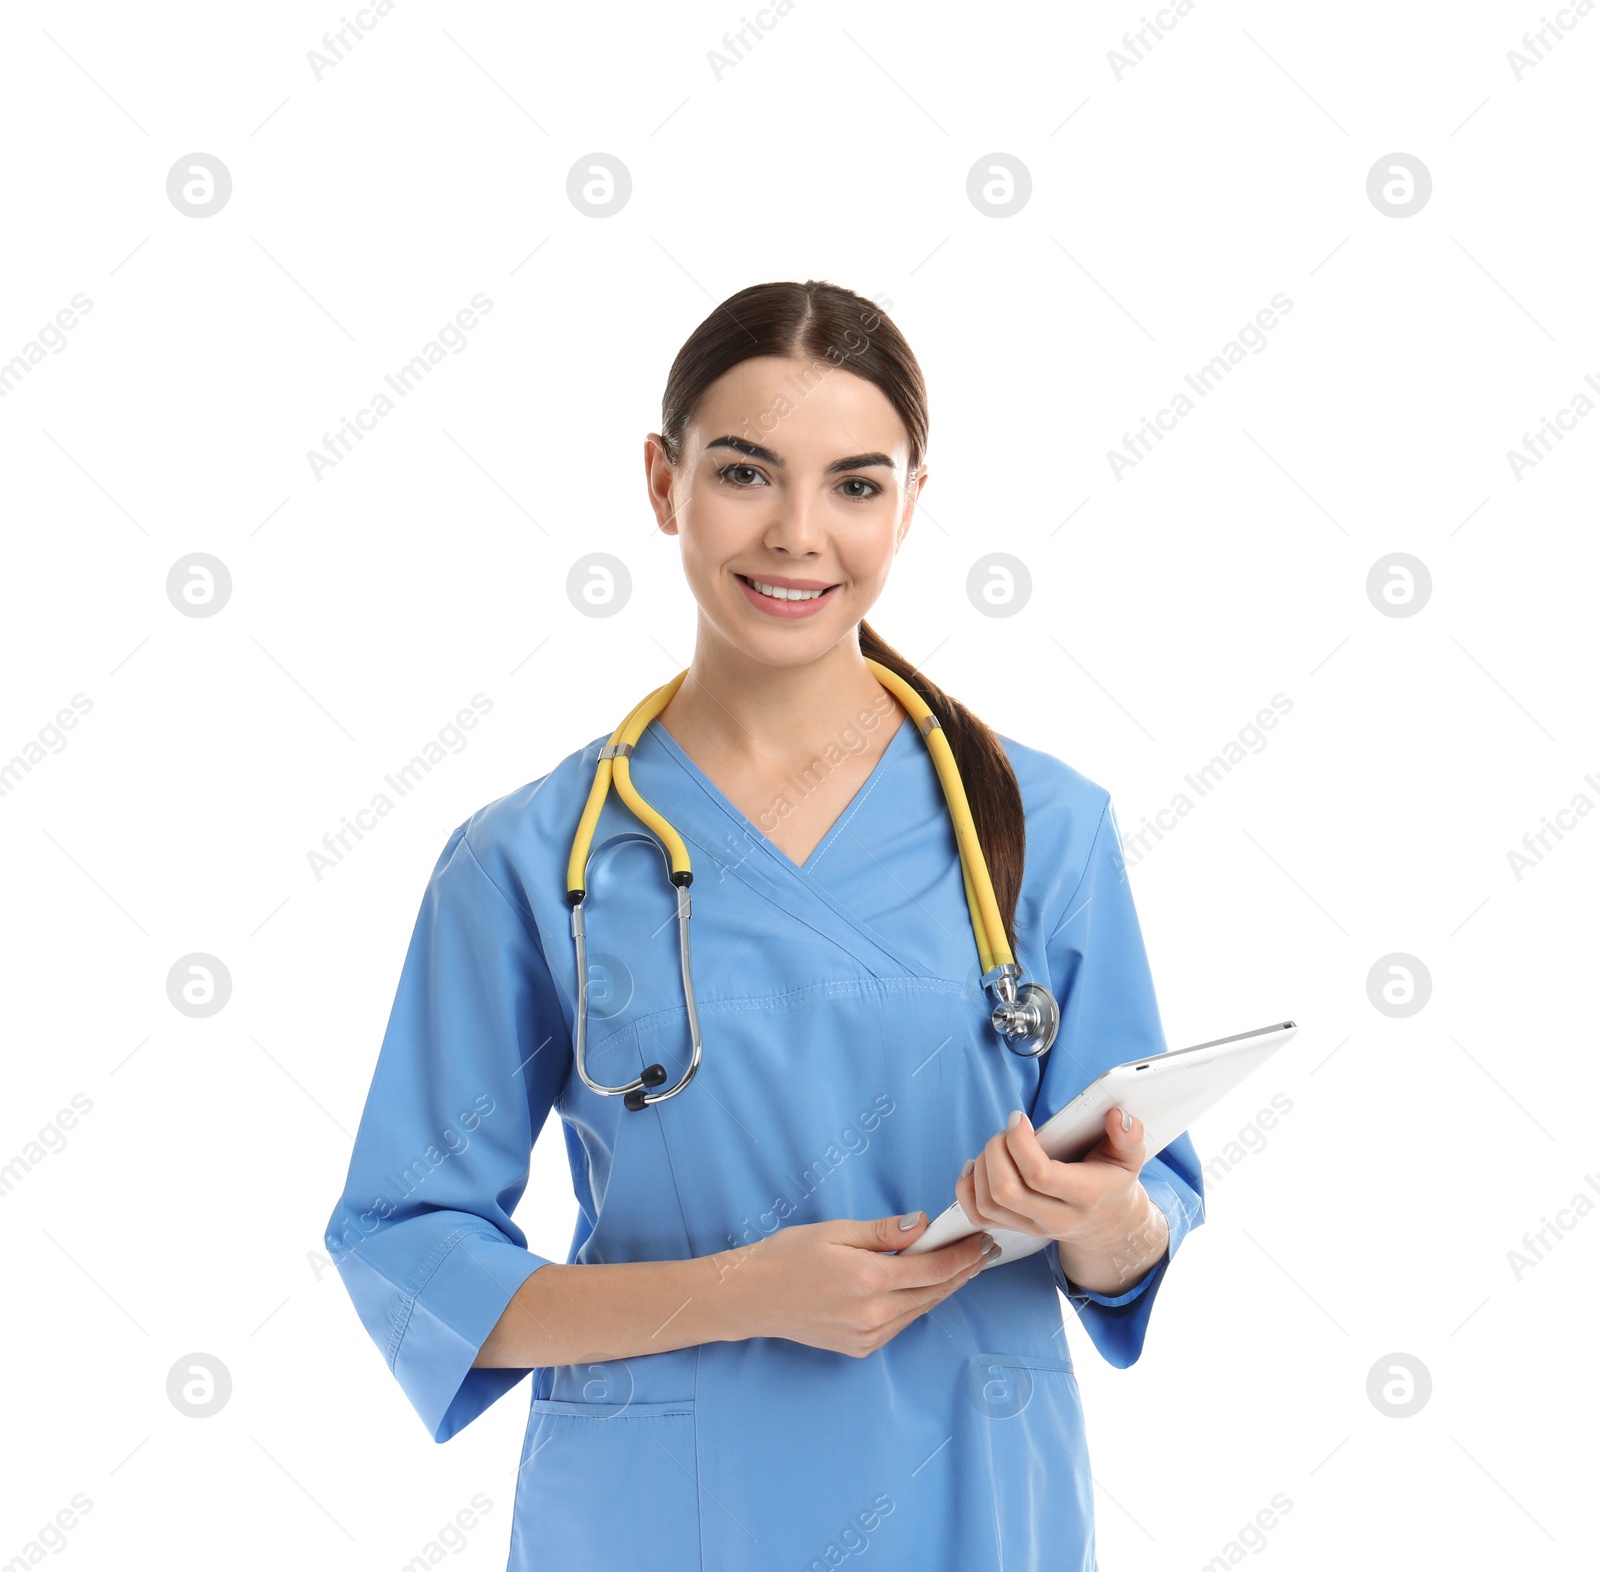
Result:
849,1071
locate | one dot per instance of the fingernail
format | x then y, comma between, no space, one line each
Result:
989,1246
1127,1120
1015,1119
910,1220
971,1163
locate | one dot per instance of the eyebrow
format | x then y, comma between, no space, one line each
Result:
838,466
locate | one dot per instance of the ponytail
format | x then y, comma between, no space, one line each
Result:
986,774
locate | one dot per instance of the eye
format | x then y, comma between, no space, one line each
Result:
873,489
733,469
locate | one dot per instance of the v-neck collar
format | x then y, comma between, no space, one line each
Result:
896,744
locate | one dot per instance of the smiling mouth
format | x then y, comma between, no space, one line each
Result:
777,592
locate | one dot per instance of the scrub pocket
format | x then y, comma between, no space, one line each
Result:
1028,1409
608,1485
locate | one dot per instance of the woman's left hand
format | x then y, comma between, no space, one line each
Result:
1095,1207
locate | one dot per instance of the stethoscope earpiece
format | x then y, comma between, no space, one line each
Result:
633,1093
651,1075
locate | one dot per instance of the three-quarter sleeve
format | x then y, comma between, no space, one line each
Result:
1101,975
475,1053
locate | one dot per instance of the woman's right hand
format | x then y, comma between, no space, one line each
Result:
833,1285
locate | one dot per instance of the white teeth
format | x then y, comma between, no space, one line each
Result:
784,594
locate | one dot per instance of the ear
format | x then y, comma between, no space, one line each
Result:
912,493
659,473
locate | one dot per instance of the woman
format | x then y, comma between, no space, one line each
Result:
736,1368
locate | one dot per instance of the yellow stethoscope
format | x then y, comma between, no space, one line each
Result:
1025,1014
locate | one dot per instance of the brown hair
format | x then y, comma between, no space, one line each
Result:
821,321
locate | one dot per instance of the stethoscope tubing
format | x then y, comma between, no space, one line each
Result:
1025,1013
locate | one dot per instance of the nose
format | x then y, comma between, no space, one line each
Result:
795,525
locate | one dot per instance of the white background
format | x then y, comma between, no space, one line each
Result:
183,1213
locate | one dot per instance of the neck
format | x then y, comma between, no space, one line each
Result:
730,704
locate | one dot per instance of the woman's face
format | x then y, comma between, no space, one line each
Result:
792,475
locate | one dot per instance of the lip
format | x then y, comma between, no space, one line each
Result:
787,610
778,581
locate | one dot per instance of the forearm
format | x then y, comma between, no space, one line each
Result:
578,1314
1121,1254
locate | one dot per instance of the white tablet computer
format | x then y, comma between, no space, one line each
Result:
1167,1091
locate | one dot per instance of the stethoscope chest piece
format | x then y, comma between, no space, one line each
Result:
1027,1018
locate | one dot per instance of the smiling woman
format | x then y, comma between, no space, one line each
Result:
757,512
737,1358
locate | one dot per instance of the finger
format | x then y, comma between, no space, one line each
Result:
1039,1172
1027,1190
966,1197
877,1233
990,1211
1126,1144
876,1239
931,1269
1074,1185
969,1262
977,1202
1007,1201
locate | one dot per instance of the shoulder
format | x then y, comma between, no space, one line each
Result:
544,809
1067,814
521,841
1054,793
